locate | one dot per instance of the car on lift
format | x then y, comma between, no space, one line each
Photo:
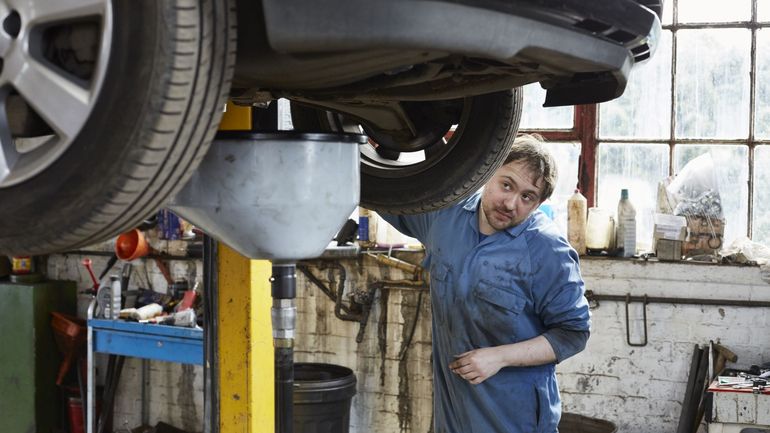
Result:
109,105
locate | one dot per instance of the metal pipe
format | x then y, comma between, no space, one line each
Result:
666,300
211,399
145,392
284,315
90,384
415,270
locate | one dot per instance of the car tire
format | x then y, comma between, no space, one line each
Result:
477,147
165,78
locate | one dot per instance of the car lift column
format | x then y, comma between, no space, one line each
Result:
244,329
246,376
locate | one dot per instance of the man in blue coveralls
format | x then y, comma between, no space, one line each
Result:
507,300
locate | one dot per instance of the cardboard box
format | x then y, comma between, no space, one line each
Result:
704,235
668,235
672,227
667,250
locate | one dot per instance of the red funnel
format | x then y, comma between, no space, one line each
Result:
131,245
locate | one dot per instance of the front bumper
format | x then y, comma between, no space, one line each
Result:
579,64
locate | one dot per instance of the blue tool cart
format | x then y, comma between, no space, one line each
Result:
138,340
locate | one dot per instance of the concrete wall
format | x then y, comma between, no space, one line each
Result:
638,388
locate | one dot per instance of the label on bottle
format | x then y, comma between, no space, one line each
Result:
21,265
363,228
628,236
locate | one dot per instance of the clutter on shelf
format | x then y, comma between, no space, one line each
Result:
694,194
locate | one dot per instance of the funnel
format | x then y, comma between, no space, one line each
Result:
279,196
131,245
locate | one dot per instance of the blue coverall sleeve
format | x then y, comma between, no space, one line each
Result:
416,226
559,290
565,342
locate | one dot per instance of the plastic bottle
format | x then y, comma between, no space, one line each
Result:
577,208
600,231
367,227
115,292
625,238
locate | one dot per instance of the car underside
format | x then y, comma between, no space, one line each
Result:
110,105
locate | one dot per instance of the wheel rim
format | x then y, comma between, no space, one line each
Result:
411,163
37,83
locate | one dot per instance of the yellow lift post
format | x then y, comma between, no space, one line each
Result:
243,328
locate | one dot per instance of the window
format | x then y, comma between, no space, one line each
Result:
706,90
536,118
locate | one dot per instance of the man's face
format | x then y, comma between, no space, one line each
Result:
509,197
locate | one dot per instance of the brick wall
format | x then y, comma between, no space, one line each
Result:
638,388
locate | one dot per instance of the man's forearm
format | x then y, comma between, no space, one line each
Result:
480,364
535,351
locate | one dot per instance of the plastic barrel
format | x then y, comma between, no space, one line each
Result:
322,395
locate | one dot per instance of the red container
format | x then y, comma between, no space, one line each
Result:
70,335
75,415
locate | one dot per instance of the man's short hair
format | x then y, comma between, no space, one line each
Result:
530,149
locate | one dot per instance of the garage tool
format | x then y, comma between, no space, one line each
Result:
132,245
110,263
279,196
723,355
88,264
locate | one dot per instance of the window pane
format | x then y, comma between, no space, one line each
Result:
644,110
763,10
762,116
713,11
566,156
761,224
638,168
712,81
731,167
668,12
535,116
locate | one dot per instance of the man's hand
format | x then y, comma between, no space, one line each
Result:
477,365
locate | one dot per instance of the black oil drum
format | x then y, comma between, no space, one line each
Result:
322,396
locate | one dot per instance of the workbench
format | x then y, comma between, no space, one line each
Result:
139,340
733,410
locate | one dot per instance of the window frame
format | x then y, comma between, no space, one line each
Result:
586,117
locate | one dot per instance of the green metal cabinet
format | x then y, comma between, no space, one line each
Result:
29,359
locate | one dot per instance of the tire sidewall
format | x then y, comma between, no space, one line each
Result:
481,148
89,171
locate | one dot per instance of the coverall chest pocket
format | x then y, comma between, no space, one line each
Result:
500,309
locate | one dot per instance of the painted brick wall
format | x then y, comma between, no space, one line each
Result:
394,382
638,388
641,388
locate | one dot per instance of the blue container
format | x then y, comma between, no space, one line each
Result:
169,225
363,228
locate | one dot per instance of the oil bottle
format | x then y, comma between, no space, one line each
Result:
625,238
576,221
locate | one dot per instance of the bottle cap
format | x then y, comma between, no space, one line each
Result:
624,194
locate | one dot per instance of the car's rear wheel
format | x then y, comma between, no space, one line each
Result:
437,174
106,107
